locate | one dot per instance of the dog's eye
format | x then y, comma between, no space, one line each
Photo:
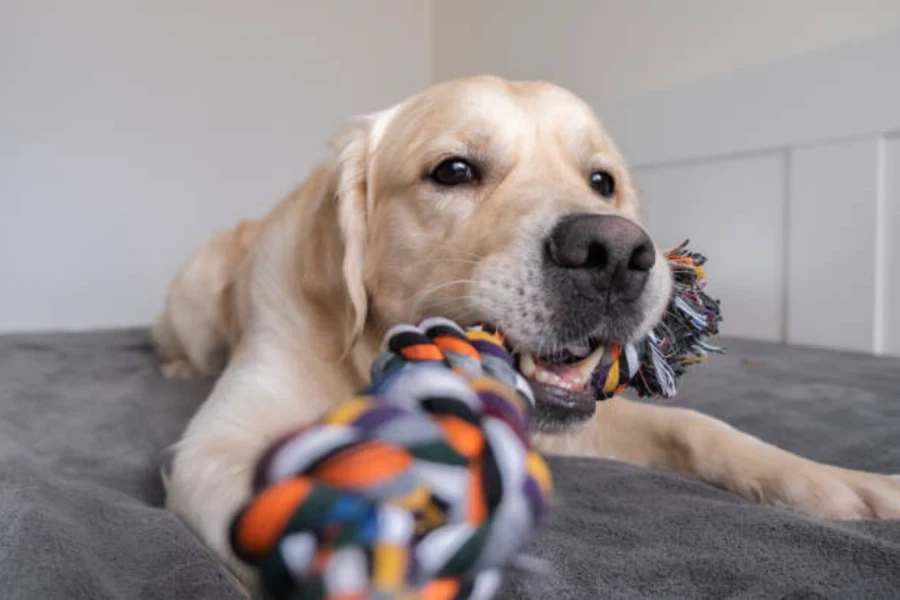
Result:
453,171
604,183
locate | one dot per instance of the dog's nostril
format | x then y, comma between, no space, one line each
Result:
642,258
597,257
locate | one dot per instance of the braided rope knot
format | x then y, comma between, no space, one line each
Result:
422,486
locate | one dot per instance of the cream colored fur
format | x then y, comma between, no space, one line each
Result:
298,301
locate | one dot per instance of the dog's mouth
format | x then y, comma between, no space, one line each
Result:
563,381
570,368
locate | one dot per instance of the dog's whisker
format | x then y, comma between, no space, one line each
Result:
459,252
468,302
439,286
422,295
464,309
439,260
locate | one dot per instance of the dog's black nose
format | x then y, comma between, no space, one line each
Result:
609,253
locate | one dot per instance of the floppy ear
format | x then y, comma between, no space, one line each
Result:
353,147
334,201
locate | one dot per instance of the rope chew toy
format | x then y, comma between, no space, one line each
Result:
423,486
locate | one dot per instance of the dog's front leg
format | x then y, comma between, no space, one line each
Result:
271,387
684,440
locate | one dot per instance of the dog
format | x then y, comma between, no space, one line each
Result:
478,199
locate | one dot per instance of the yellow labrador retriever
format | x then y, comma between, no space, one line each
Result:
479,200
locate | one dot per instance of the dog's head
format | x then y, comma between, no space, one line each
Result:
487,200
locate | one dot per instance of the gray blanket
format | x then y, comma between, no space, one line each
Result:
84,419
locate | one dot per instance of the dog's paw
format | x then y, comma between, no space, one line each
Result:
177,369
831,492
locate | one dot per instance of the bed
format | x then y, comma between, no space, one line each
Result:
85,419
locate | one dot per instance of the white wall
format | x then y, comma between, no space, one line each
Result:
733,210
830,123
608,50
130,129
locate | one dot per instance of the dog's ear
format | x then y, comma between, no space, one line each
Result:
352,148
332,249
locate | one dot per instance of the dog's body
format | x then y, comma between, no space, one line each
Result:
479,199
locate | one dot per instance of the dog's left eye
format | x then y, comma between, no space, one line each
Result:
453,171
604,183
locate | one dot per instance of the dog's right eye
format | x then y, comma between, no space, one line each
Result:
453,171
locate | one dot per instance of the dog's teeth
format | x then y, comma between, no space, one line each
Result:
587,365
570,382
527,364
